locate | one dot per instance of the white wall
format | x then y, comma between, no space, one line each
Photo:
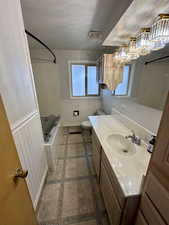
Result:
86,106
47,82
19,96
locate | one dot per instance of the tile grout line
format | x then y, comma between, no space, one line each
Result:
70,179
97,210
72,157
80,218
61,193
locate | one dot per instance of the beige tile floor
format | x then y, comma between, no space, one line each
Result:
71,194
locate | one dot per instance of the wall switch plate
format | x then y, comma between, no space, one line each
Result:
76,113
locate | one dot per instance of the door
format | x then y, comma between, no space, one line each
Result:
154,207
15,204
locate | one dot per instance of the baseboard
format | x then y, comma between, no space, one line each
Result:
35,203
71,124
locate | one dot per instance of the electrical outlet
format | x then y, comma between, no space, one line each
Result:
76,113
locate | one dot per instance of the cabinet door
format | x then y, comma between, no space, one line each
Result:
117,188
111,203
101,68
96,148
140,219
156,186
96,162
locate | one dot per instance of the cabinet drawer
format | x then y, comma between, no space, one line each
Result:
117,189
96,149
111,203
140,219
158,195
95,142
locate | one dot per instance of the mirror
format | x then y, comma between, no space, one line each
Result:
150,83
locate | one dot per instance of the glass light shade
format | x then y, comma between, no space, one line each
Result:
157,45
160,32
132,50
143,44
123,54
116,55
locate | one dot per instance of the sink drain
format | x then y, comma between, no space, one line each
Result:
125,150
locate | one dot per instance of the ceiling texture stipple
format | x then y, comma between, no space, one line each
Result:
65,24
141,13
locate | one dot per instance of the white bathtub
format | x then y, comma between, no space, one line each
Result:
51,146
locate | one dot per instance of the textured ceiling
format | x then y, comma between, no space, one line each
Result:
141,13
64,24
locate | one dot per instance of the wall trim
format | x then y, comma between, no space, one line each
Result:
20,123
69,124
35,203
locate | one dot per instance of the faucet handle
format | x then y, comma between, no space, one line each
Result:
137,140
133,133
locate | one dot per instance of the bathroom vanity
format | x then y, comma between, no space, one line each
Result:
120,167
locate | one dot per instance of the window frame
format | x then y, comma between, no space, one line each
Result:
128,84
86,64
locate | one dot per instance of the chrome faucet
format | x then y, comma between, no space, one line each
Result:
134,139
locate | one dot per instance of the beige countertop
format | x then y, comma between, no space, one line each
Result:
129,169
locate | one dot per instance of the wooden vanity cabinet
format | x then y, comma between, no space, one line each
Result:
113,208
114,182
140,219
121,210
96,154
100,68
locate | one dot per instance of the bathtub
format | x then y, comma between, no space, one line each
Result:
51,142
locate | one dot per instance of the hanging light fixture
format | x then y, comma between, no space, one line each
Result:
148,39
160,32
143,43
117,56
123,54
132,50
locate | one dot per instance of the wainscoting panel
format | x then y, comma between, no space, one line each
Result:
30,147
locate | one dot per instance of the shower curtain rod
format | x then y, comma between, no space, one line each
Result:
40,60
42,43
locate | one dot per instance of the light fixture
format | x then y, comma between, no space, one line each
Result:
147,39
117,56
132,50
123,54
160,32
143,43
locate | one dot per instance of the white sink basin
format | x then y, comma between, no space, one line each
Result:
121,145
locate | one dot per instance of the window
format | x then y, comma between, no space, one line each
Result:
122,88
84,80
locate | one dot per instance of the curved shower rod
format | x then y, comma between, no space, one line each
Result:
42,43
157,59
